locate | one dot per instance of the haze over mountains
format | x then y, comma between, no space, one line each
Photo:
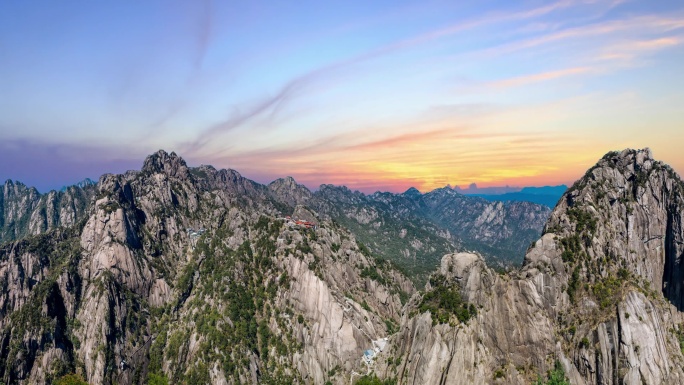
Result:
547,195
174,274
305,231
411,229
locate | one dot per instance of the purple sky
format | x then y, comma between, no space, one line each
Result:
378,95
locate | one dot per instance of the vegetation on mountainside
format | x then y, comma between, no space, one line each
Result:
387,243
416,232
583,220
157,379
605,279
444,302
70,379
555,376
372,379
229,301
59,252
679,333
232,304
605,275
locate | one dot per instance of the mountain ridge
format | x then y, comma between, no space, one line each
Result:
193,275
597,298
397,227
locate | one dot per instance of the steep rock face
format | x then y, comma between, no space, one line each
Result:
188,274
24,211
39,297
287,190
598,293
510,335
629,209
613,229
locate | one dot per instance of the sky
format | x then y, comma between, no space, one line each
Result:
375,95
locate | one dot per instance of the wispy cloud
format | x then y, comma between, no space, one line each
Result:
270,105
643,24
628,51
267,106
539,77
204,30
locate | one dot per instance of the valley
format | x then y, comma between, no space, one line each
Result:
174,274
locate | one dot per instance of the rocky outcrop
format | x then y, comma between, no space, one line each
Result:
186,273
288,191
24,211
598,293
628,209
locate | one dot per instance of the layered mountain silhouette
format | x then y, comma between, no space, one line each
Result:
413,230
174,274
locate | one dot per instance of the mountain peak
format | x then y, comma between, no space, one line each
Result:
286,181
629,161
288,190
82,184
163,162
412,192
625,212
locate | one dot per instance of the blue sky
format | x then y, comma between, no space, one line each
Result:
375,96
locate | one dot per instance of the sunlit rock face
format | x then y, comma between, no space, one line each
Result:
599,292
198,275
193,275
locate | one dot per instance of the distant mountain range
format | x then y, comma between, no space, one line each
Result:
547,195
414,230
182,275
411,229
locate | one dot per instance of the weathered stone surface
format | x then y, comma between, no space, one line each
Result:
135,288
24,211
140,253
616,238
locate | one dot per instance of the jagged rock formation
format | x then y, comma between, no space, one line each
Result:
193,275
190,275
287,190
599,293
415,230
496,229
24,211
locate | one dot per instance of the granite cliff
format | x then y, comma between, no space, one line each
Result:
174,274
187,275
598,296
24,211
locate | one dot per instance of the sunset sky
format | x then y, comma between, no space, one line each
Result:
375,95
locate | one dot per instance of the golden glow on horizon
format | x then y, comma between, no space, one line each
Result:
494,94
432,153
